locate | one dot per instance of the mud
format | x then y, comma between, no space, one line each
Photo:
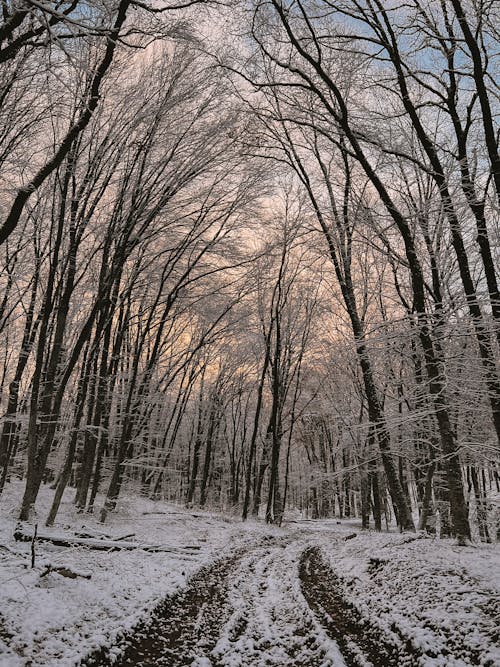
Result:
181,628
249,610
357,640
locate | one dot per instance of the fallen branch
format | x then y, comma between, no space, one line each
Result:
33,546
124,537
103,536
64,572
21,535
162,513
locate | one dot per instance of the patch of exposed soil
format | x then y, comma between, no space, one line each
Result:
270,623
243,611
249,610
182,628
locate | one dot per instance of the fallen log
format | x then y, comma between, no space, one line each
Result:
20,535
103,536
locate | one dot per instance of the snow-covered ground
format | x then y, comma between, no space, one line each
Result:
54,620
439,601
271,622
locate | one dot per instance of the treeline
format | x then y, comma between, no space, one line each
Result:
250,258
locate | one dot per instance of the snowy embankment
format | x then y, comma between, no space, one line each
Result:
435,602
53,620
440,600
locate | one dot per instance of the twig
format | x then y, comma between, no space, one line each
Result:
33,553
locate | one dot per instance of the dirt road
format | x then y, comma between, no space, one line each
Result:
276,604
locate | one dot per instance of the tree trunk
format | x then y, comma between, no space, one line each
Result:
70,454
482,514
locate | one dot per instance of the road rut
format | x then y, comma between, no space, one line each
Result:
277,603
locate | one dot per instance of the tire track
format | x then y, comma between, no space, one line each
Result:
358,640
182,628
278,603
271,624
243,611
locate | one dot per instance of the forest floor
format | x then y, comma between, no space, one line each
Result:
314,593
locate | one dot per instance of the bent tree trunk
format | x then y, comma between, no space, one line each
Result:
70,454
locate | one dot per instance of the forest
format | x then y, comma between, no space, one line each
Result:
249,333
249,258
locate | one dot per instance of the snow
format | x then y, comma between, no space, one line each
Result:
430,593
437,598
55,621
271,617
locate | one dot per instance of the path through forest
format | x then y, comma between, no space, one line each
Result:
278,603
